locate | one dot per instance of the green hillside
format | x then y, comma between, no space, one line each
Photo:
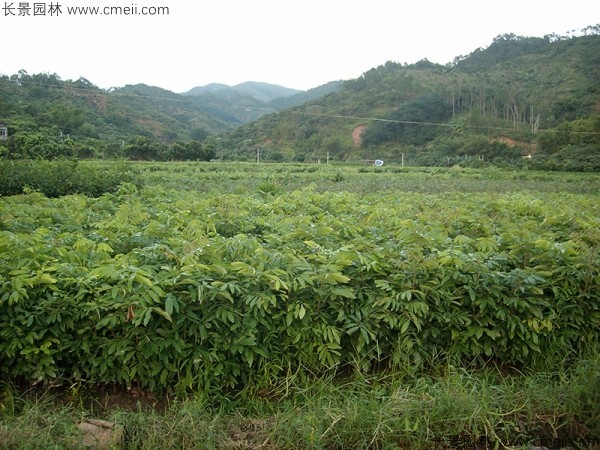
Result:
231,106
247,102
519,97
49,117
520,101
263,92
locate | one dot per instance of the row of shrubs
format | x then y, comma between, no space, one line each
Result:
63,177
171,290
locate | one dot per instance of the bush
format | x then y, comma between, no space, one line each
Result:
171,290
58,178
570,159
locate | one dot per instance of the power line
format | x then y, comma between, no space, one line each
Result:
436,124
376,119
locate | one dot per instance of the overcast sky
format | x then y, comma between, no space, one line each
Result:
295,43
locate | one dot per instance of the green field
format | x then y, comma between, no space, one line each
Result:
302,306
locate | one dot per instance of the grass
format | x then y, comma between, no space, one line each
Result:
484,408
252,178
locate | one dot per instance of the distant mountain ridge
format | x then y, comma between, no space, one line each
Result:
248,101
305,96
488,105
212,87
96,118
264,92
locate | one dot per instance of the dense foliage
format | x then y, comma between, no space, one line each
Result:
519,92
169,289
557,407
49,117
405,124
58,178
518,98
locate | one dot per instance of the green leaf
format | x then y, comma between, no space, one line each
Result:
169,302
343,292
336,277
301,312
405,326
142,279
147,317
162,312
47,279
472,294
103,247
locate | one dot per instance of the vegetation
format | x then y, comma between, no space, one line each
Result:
53,118
58,178
234,305
298,306
263,92
521,102
48,117
453,408
517,98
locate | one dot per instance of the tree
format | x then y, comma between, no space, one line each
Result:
191,151
581,133
66,118
143,148
46,143
410,124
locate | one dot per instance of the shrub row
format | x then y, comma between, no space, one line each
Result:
62,177
168,290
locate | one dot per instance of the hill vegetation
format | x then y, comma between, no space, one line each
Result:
48,117
522,101
247,102
519,97
264,92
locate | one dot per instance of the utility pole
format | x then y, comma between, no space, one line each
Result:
258,155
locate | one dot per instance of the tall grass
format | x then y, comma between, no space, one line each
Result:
251,178
484,408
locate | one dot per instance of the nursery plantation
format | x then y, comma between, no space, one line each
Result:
299,305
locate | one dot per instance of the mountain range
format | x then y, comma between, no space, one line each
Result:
263,92
81,110
250,100
504,101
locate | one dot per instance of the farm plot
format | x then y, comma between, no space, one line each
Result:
181,290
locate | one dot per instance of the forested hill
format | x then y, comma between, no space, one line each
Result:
263,92
247,102
520,96
50,117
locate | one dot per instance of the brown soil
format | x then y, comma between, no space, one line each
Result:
357,135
